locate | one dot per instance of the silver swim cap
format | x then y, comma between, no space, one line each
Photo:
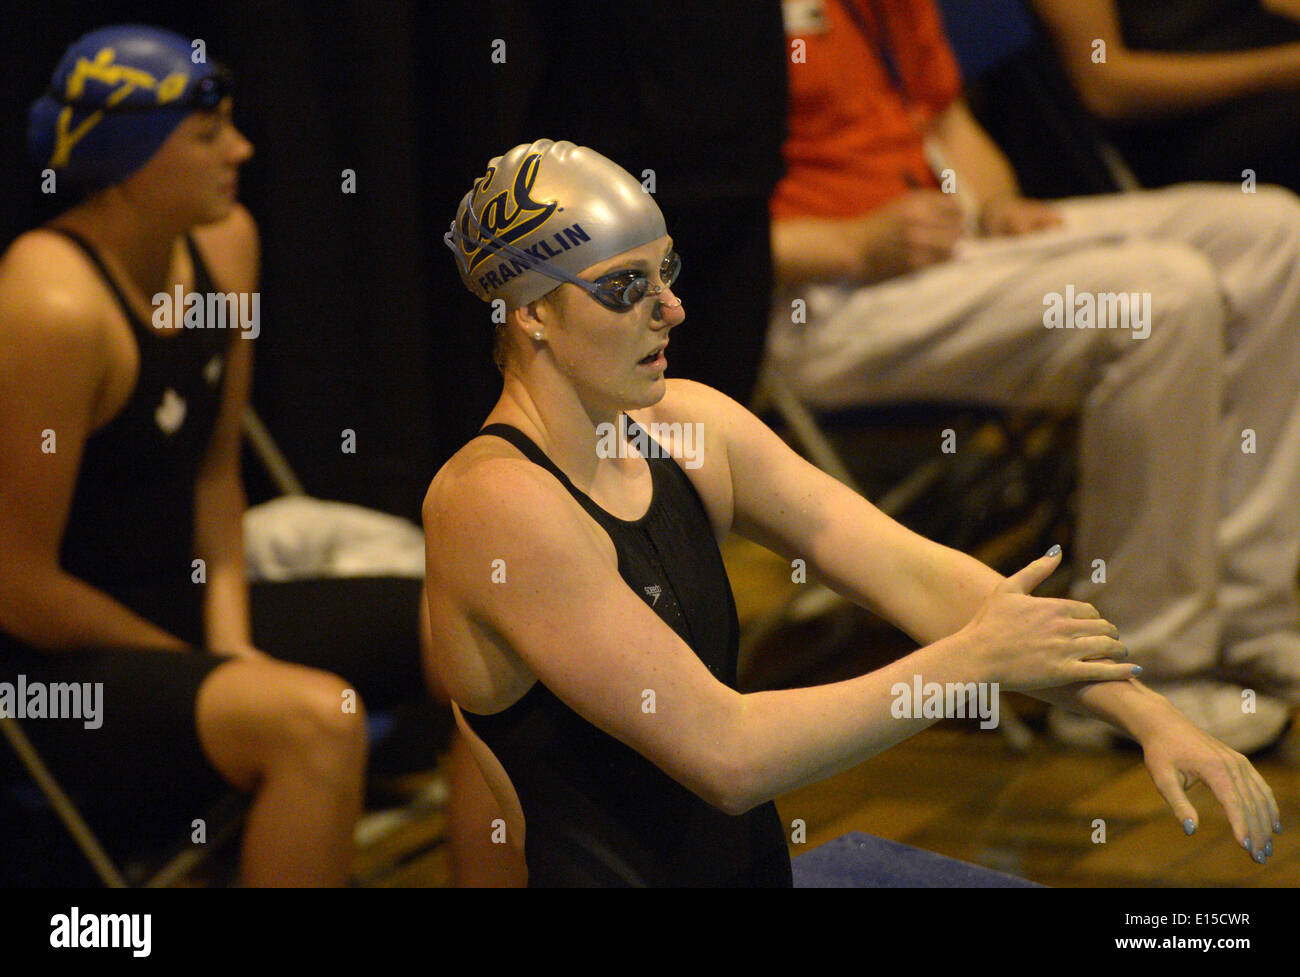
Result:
541,214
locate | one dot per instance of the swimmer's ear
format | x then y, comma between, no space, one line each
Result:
530,317
531,322
538,314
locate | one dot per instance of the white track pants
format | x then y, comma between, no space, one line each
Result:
1189,452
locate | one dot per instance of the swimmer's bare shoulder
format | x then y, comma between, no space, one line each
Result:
524,586
54,370
55,318
490,511
47,287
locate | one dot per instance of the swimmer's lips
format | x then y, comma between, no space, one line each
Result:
654,356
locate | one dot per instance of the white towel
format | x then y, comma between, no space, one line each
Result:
296,536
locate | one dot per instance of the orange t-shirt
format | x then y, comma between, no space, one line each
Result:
855,137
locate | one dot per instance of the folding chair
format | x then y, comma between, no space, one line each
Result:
164,867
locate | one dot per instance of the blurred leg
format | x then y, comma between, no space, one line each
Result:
973,330
476,862
282,732
1252,240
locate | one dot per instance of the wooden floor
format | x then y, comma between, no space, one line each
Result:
966,795
957,790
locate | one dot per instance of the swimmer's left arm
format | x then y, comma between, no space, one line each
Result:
1178,755
785,503
932,591
231,251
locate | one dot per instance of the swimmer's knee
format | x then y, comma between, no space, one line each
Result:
322,712
260,710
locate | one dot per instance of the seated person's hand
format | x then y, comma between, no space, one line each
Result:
919,229
1010,215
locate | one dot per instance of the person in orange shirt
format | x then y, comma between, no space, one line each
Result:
1165,319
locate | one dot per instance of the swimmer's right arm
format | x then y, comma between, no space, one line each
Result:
561,606
45,416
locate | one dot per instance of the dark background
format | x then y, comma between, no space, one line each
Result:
365,324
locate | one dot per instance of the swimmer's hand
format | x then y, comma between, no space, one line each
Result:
1023,642
1178,754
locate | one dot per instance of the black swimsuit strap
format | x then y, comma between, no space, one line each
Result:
202,280
528,447
98,262
534,453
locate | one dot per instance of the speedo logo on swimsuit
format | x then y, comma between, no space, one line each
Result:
123,79
684,442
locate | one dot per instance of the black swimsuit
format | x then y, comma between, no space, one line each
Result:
130,533
597,812
144,775
138,471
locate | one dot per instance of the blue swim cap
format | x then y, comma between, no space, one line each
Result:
115,97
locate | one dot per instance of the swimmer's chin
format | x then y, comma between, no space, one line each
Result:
218,212
658,391
628,402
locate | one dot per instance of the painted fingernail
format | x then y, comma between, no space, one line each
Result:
1054,550
1259,857
1246,844
1189,826
1137,669
1277,826
1268,849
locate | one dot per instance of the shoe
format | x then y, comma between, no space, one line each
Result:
1215,707
1083,732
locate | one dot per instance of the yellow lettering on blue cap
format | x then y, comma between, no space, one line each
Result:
104,69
